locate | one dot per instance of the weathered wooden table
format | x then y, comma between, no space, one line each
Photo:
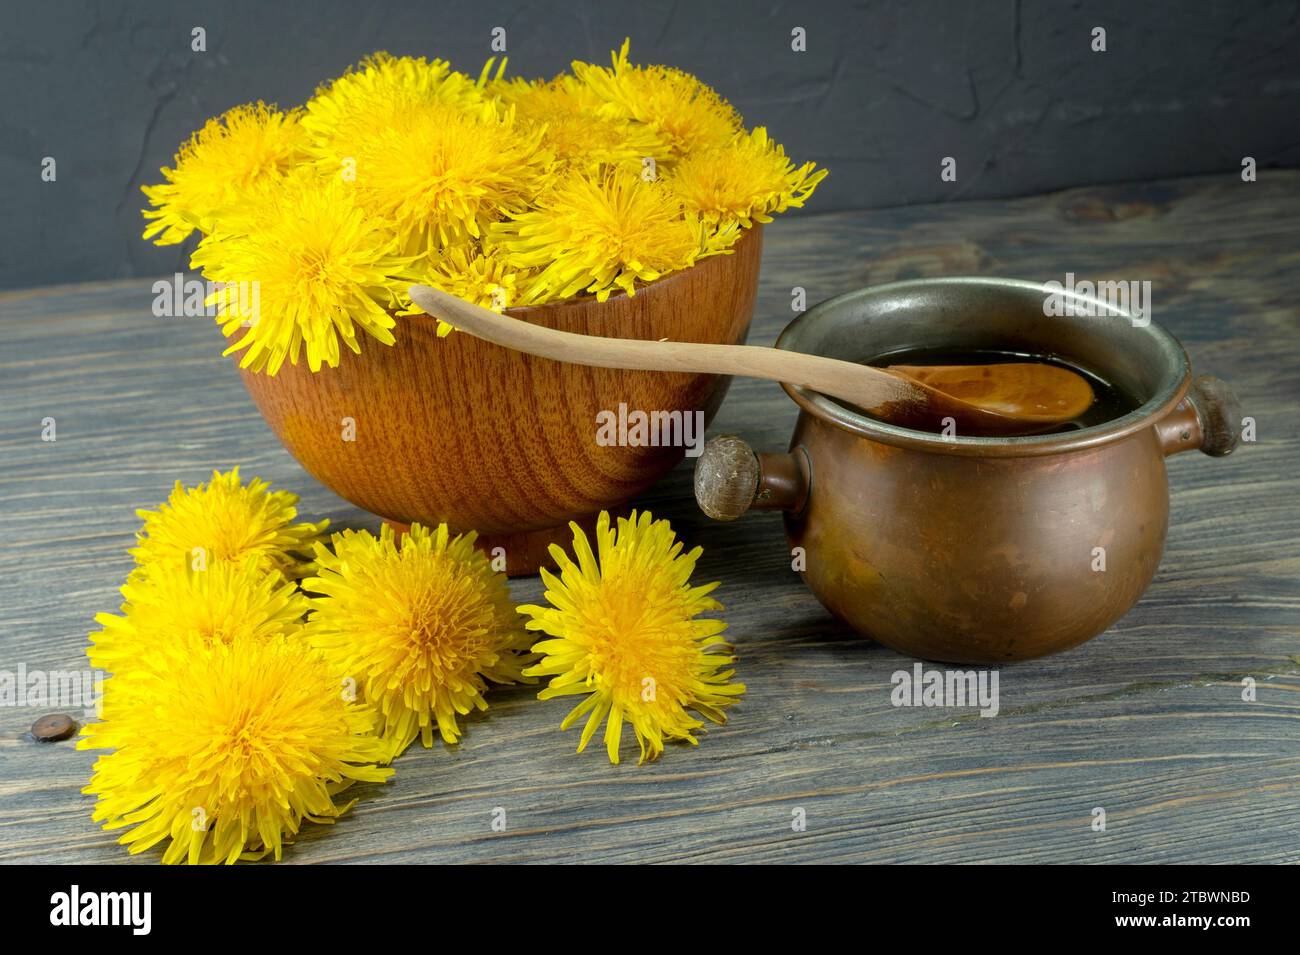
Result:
1147,722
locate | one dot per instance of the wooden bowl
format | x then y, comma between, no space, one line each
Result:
462,431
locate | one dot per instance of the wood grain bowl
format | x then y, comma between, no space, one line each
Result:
462,431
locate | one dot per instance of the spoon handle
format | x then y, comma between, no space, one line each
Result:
869,388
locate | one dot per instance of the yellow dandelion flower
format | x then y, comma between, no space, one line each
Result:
627,637
224,521
684,112
302,265
598,235
420,626
218,166
172,608
380,92
581,134
440,175
473,274
227,750
745,180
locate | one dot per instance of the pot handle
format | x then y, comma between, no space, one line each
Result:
731,478
1208,419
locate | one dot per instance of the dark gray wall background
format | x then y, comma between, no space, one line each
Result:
885,89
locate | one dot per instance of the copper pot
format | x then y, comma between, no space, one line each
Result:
974,549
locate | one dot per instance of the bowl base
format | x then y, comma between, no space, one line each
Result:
525,553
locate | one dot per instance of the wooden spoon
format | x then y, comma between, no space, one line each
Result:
1015,397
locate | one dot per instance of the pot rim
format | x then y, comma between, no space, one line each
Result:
830,410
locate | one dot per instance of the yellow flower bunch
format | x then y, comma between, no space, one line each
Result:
505,191
209,643
277,693
243,701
